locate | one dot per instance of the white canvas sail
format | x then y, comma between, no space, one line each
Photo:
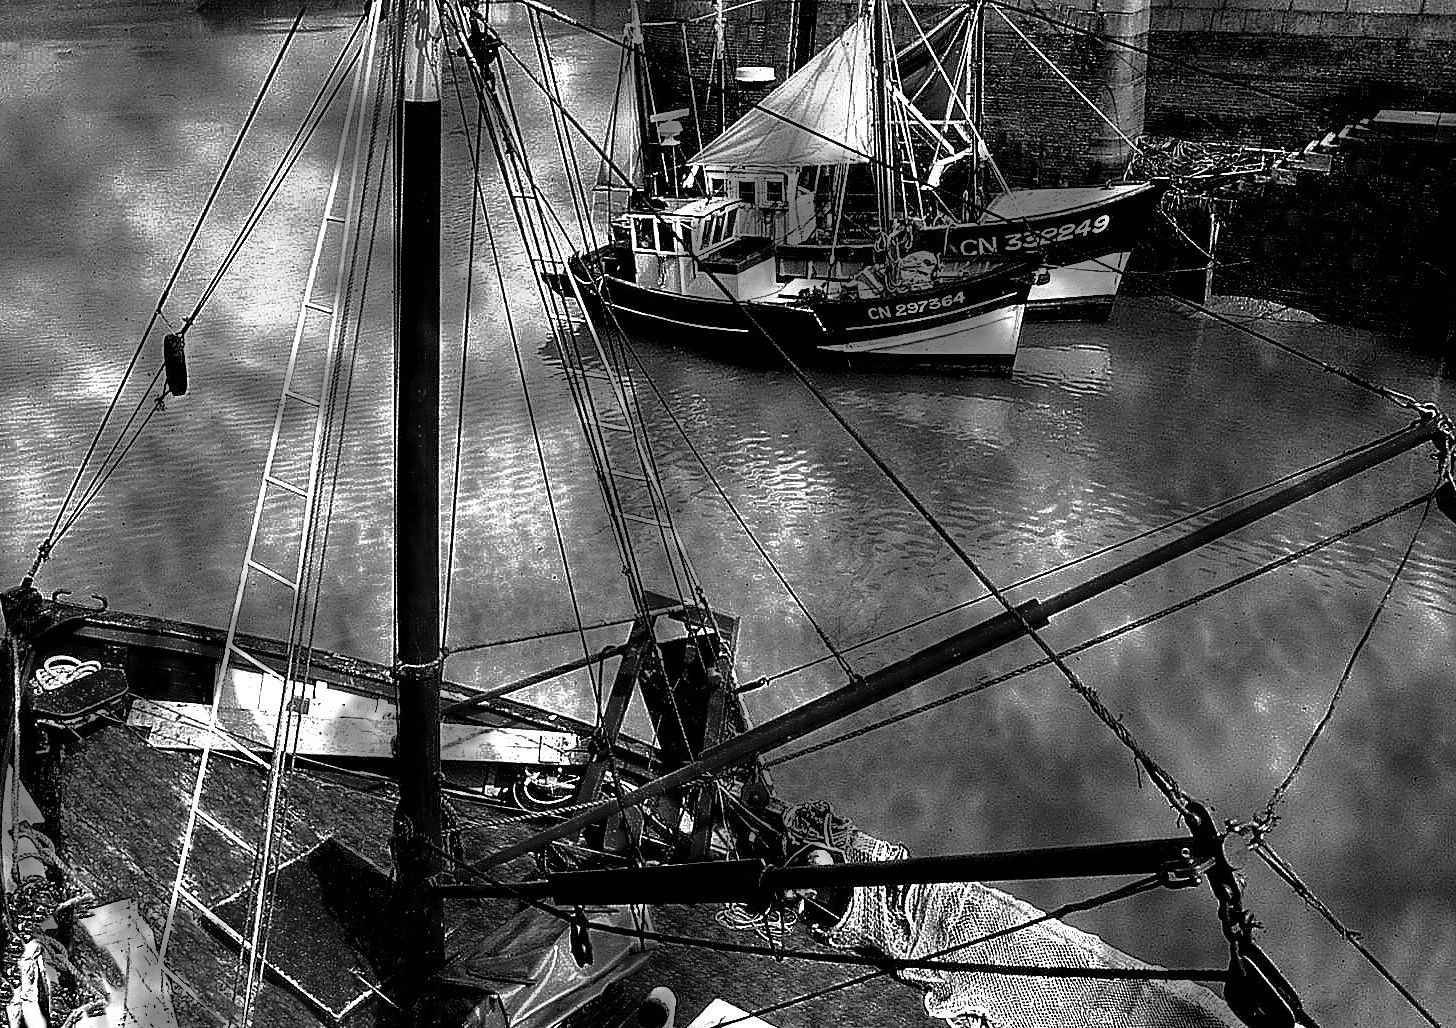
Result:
822,114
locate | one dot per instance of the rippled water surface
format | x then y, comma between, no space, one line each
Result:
113,121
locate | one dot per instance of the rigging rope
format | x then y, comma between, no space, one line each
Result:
1268,818
478,200
1287,874
835,652
315,114
464,362
1063,76
56,531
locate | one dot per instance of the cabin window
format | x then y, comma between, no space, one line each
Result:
665,238
718,228
717,186
685,238
748,191
773,191
732,217
645,238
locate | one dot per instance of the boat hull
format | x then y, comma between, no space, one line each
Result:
1084,236
971,323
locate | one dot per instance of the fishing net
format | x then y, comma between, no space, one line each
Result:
925,921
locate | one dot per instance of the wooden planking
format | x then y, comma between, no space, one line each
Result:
184,726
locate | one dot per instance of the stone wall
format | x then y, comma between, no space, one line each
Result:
1313,65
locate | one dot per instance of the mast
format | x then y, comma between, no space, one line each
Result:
976,56
418,837
883,177
644,93
804,26
720,55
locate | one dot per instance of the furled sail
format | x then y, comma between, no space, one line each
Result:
821,114
934,72
624,171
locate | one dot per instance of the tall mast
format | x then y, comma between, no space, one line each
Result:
883,177
418,836
976,56
720,54
644,93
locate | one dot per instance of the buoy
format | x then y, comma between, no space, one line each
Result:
658,1009
174,361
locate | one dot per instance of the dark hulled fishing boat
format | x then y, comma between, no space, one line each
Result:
727,268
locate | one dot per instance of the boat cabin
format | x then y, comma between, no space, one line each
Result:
682,249
780,201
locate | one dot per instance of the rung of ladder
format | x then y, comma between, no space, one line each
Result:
630,476
285,486
263,569
207,912
335,219
226,832
613,426
178,982
639,519
267,671
322,308
311,401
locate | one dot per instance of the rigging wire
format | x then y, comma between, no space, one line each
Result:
1063,76
44,551
1130,626
315,114
1269,817
1287,874
835,652
464,366
478,199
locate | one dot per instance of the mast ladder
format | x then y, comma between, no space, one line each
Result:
279,573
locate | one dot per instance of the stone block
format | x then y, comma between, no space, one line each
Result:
1333,6
1385,6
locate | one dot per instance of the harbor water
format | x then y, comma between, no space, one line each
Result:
114,118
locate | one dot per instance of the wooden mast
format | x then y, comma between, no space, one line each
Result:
883,177
418,840
720,55
637,45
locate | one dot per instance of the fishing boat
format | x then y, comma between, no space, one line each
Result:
737,264
1084,235
236,796
958,207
